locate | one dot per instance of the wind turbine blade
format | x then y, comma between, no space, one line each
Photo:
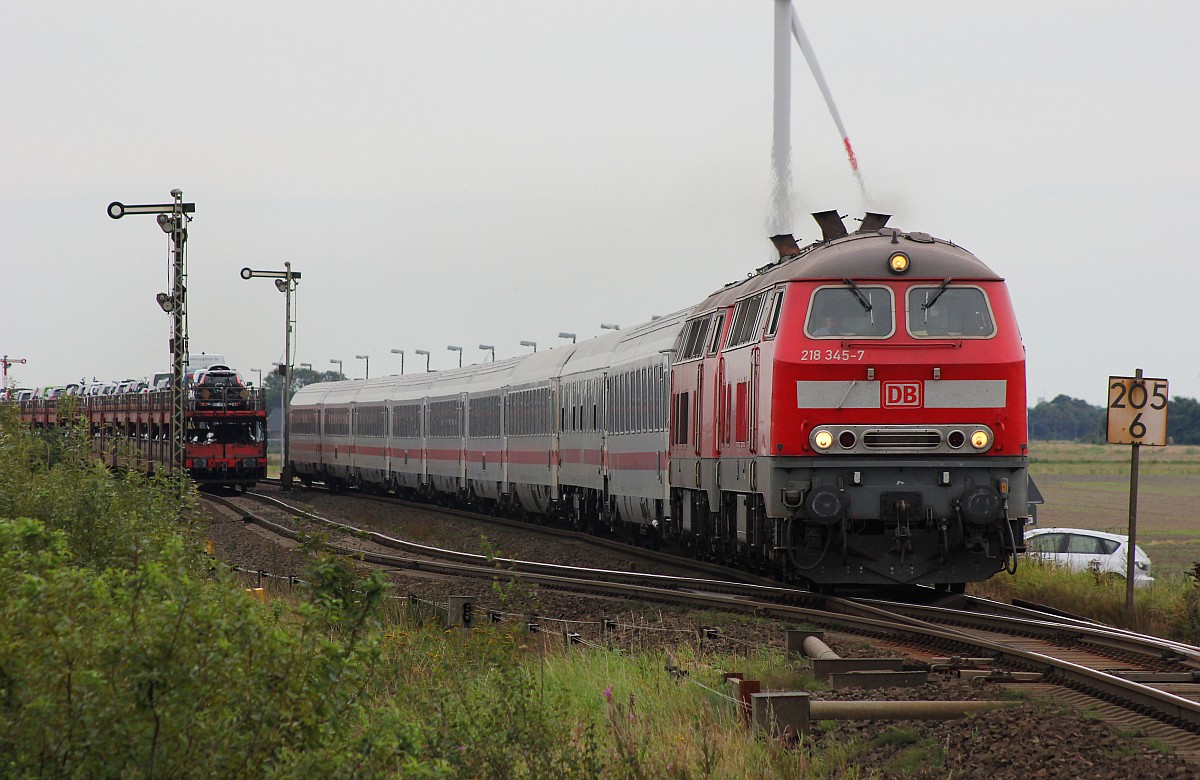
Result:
810,56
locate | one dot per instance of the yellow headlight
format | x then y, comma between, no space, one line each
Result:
823,440
980,440
898,263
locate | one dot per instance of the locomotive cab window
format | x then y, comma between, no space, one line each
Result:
718,330
773,317
746,317
691,339
850,311
942,311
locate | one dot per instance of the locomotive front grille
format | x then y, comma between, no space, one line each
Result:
902,440
856,439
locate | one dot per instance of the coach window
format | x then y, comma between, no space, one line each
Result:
623,403
595,396
626,403
635,401
942,311
643,404
850,310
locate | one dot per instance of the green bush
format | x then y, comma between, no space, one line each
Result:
122,654
150,673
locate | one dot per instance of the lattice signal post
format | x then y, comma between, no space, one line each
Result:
172,218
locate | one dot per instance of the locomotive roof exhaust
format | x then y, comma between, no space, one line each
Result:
832,226
872,222
785,244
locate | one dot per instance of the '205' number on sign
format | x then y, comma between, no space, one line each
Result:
1134,398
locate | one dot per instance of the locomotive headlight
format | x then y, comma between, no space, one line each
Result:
898,263
823,440
980,440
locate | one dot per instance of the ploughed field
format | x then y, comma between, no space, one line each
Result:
1087,486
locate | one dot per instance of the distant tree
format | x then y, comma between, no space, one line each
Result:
273,382
1070,419
1183,421
1067,419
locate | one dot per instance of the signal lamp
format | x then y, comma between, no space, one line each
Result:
980,440
823,440
898,263
847,439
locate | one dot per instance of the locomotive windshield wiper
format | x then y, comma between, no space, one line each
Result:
862,299
937,294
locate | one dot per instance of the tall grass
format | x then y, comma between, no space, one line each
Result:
1169,607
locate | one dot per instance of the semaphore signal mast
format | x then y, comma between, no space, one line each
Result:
6,361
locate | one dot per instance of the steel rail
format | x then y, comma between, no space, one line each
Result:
493,564
617,545
1052,628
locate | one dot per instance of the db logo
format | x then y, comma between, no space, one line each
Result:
901,394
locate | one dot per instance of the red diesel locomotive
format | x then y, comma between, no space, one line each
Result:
852,414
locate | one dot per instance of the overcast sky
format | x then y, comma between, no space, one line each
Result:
464,173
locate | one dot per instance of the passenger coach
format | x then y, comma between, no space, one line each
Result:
578,431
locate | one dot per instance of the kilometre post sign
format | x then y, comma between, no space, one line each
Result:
1137,410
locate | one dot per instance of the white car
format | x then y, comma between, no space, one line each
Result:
1081,549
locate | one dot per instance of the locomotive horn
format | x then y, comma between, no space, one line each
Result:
786,245
831,224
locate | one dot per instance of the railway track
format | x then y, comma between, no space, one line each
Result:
1144,683
623,547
